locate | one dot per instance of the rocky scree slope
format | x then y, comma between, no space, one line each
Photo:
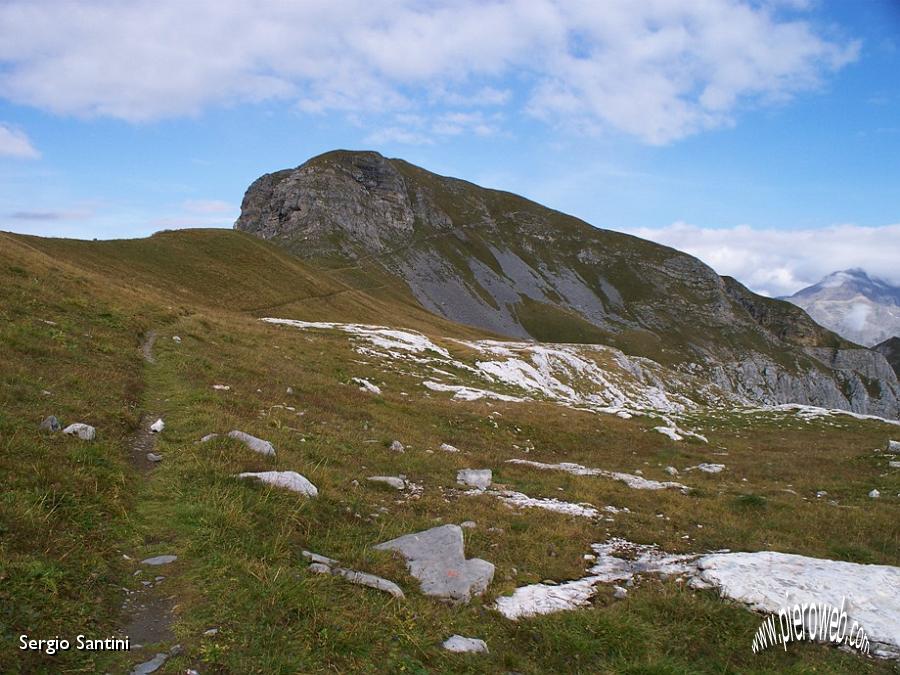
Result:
505,264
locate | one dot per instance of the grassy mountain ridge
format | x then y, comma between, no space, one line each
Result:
501,262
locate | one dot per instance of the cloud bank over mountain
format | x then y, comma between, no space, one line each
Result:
780,262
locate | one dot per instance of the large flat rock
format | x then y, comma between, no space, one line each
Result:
437,558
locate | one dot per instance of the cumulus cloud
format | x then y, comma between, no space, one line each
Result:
14,143
656,70
780,262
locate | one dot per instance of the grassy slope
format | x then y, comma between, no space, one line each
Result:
72,508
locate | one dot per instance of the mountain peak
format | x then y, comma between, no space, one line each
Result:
853,304
505,264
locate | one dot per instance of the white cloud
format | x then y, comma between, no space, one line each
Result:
14,143
410,129
209,207
657,70
198,213
780,262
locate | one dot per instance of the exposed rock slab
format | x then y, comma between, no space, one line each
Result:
436,557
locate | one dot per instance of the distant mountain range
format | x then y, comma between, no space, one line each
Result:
860,308
504,264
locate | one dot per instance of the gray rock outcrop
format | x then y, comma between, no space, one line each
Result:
436,557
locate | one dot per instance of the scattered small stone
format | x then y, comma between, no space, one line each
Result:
51,424
393,481
821,493
289,391
893,446
84,431
176,338
397,446
150,666
319,568
316,558
671,470
157,426
254,443
446,447
874,494
620,593
894,464
468,524
211,632
208,438
160,560
221,387
477,478
460,644
707,468
153,457
322,565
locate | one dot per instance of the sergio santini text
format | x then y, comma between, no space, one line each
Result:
82,643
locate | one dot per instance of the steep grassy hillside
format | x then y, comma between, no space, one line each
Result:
76,517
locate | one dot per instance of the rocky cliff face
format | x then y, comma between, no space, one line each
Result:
500,262
890,349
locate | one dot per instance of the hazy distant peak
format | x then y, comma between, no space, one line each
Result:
853,304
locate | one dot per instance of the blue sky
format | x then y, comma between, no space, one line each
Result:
762,136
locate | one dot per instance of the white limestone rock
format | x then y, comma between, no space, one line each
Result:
460,644
254,443
477,478
289,480
84,431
